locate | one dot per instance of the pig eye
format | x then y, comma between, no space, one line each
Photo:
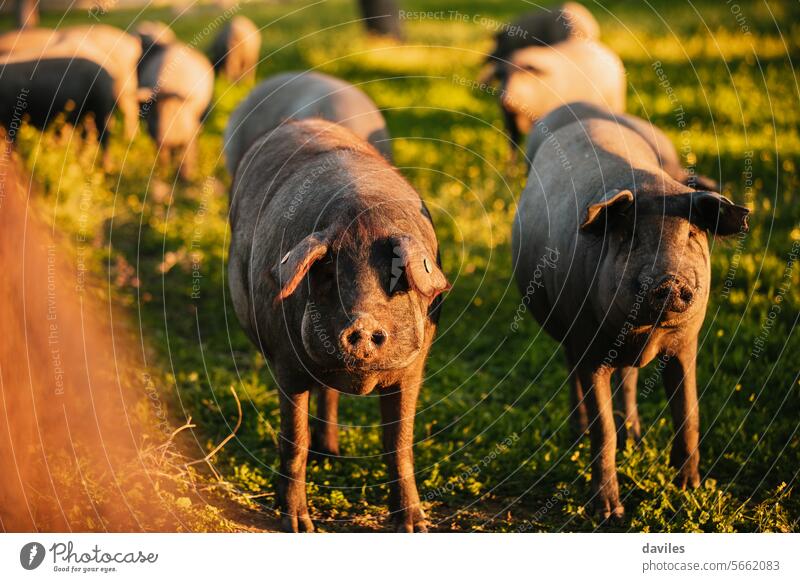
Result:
398,283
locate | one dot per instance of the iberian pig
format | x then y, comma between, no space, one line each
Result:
334,275
301,96
537,79
176,84
154,33
630,283
40,89
112,48
542,27
122,52
235,49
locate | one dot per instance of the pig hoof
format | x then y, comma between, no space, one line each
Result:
687,479
295,524
609,511
412,521
411,527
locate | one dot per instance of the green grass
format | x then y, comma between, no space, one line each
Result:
493,449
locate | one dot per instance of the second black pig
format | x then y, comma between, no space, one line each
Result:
176,84
629,281
334,275
235,49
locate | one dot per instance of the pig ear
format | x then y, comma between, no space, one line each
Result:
718,215
421,269
600,214
294,265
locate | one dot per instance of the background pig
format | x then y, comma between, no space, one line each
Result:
235,49
40,89
300,96
122,53
334,275
176,86
657,140
25,39
153,32
542,27
538,79
115,50
630,283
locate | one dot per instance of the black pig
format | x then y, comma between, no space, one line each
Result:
40,89
631,282
334,275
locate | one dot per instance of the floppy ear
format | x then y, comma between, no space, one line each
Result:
718,215
421,269
294,265
599,215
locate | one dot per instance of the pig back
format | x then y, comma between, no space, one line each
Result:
27,39
303,95
122,50
579,111
41,89
180,70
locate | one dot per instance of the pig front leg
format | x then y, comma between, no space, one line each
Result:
294,440
398,407
603,436
325,436
680,384
626,394
165,157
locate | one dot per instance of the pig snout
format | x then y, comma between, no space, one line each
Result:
670,293
364,339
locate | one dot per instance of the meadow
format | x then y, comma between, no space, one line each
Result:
494,451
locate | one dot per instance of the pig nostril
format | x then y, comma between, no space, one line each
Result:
353,338
378,337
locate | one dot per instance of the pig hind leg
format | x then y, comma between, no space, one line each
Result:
579,419
325,430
